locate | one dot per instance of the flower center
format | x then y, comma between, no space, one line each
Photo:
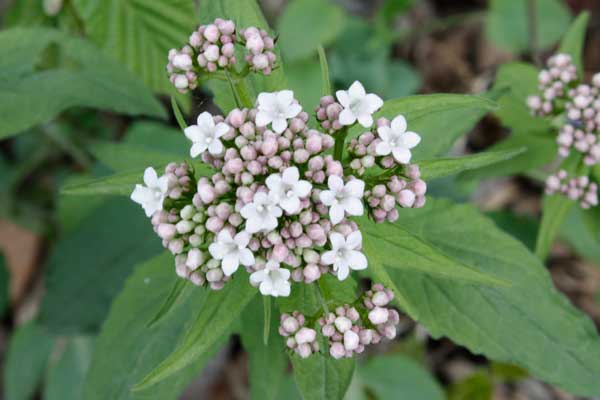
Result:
289,193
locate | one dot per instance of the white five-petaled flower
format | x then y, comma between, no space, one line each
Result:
287,189
358,105
205,135
232,251
342,198
396,140
261,215
344,254
276,108
272,280
152,195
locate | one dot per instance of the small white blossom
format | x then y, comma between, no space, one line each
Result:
358,105
261,215
397,140
342,198
272,280
152,195
205,135
287,189
232,251
276,108
344,254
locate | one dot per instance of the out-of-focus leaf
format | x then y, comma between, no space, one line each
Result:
87,267
521,227
28,352
306,24
507,23
478,386
322,377
139,33
66,376
305,80
34,93
399,377
127,349
574,40
578,236
4,280
25,13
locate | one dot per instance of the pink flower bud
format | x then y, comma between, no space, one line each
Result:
166,231
290,324
337,350
305,335
280,252
406,198
343,324
378,315
311,273
211,33
365,336
195,258
214,224
304,350
351,340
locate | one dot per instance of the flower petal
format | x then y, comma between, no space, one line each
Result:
263,118
266,287
267,101
150,177
257,277
328,257
385,133
383,149
197,149
254,224
273,182
347,117
342,270
354,240
302,189
206,122
356,260
217,251
230,263
399,124
335,183
285,97
290,175
221,129
366,120
401,155
141,194
343,98
163,184
327,197
246,257
241,239
293,110
353,206
411,139
374,102
337,240
279,125
356,187
357,90
283,288
291,205
215,147
336,213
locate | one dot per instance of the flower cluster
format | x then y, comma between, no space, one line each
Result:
553,83
577,188
348,329
212,47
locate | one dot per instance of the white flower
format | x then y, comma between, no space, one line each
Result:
261,215
232,251
358,105
287,189
276,108
272,280
206,135
397,140
152,195
344,254
343,198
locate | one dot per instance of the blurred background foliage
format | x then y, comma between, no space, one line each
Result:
100,106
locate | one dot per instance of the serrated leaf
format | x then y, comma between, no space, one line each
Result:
440,119
34,92
431,169
528,323
139,33
127,349
219,311
322,377
326,21
574,40
66,376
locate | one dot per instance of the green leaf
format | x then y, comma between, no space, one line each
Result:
322,377
574,40
578,236
139,33
91,263
477,386
440,119
34,92
399,377
4,282
325,77
119,184
306,24
66,376
173,298
431,169
127,349
507,23
528,323
28,352
178,115
304,78
25,13
219,311
266,363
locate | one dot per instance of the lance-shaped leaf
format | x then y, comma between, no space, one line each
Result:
527,323
66,373
212,322
573,41
440,119
127,349
323,377
438,168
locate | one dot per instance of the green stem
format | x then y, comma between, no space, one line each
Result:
267,317
338,149
241,91
322,300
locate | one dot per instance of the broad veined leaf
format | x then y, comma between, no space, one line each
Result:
578,235
66,375
34,90
127,349
431,169
139,33
213,320
440,119
266,363
508,27
574,40
305,80
28,352
325,19
528,323
91,263
322,377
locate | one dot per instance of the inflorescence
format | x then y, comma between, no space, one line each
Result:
578,106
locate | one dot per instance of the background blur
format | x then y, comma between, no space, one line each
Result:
63,259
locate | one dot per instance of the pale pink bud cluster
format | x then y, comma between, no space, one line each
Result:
214,45
577,188
383,318
553,83
180,180
301,339
260,45
181,69
328,114
584,142
344,331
